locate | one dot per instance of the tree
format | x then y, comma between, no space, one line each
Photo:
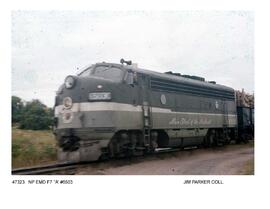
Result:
17,108
36,116
33,115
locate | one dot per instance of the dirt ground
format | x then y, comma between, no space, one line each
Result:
228,160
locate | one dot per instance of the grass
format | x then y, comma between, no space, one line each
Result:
31,148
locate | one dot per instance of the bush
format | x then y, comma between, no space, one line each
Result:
33,115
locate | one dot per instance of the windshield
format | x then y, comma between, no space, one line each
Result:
107,72
86,72
111,73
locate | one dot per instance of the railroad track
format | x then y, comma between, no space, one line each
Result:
57,168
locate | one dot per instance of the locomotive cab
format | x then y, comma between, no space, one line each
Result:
91,107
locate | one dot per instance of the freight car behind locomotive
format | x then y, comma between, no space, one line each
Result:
112,110
245,115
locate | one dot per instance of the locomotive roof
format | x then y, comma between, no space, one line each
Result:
175,78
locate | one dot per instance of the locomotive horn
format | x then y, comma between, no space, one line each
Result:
122,61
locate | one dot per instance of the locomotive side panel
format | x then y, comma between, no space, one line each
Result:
192,117
172,110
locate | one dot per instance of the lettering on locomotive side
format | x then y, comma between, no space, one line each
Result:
189,121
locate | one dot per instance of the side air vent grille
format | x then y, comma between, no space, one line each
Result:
176,87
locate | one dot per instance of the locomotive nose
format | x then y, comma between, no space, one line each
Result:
83,89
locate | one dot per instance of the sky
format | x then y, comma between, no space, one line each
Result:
49,45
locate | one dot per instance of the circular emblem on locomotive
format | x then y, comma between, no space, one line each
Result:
163,99
67,102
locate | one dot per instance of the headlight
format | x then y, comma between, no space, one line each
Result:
100,96
69,82
67,102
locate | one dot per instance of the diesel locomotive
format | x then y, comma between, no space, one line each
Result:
113,110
